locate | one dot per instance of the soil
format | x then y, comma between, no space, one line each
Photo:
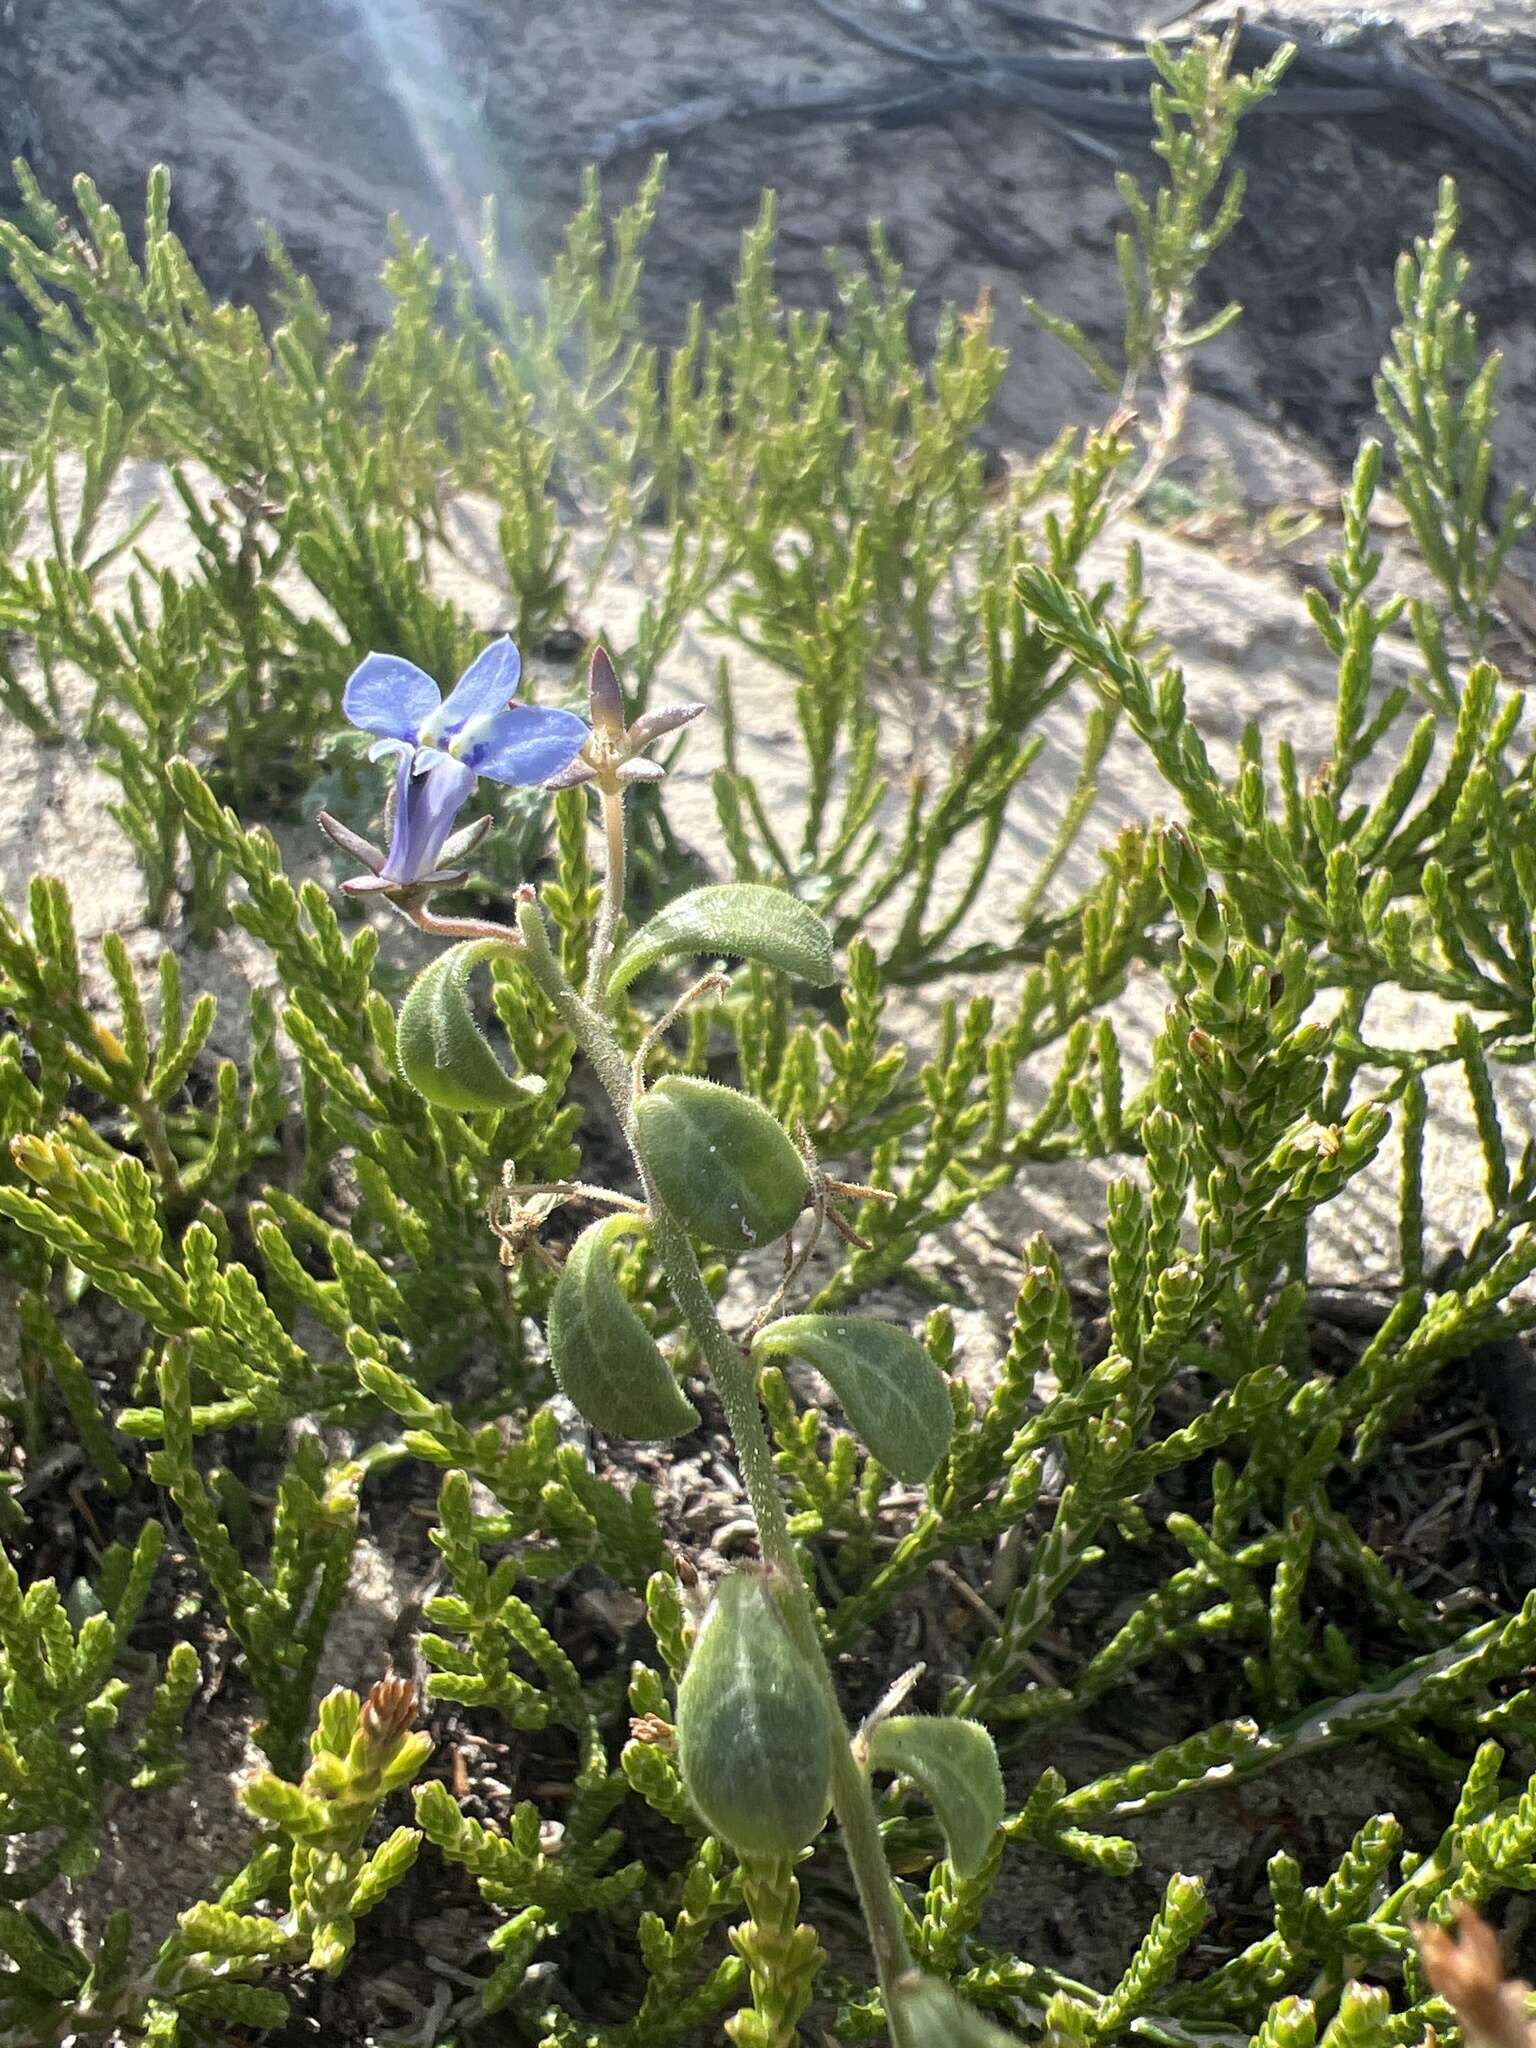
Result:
324,122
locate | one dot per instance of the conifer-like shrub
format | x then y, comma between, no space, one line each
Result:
477,1151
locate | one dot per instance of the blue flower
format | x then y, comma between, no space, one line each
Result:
445,744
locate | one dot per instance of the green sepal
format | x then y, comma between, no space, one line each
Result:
892,1392
954,1763
754,1731
606,1361
743,921
725,1167
441,1049
933,2016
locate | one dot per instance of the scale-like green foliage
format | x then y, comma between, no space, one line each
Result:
261,1292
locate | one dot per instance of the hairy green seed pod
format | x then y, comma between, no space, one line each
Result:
605,1360
754,1732
723,1165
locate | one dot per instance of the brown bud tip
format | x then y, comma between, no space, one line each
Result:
604,702
650,1728
685,1568
1468,1973
388,1711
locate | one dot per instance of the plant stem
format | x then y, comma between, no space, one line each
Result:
613,894
732,1373
157,1143
583,1022
458,927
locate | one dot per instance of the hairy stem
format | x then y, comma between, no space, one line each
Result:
613,894
458,927
731,1370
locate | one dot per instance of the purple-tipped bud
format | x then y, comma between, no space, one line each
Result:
611,755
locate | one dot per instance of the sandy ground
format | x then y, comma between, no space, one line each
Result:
1247,653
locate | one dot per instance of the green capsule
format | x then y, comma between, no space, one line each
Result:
722,1164
754,1731
606,1361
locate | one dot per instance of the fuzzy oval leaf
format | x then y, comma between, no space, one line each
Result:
955,1765
605,1360
743,921
441,1049
890,1389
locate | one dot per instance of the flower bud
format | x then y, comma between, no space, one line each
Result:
605,706
727,1169
754,1731
606,1361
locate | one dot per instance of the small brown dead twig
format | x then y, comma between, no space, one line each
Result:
1467,1971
